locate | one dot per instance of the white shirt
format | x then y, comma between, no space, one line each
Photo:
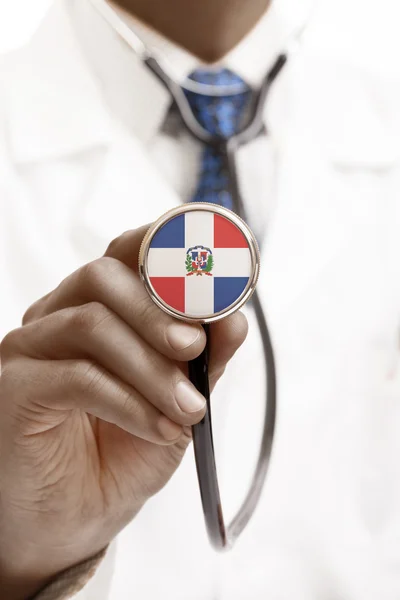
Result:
83,156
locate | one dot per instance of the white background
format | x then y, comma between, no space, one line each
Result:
18,19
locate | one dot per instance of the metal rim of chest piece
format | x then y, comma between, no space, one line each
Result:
232,218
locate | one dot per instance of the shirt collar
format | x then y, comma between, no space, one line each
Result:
250,59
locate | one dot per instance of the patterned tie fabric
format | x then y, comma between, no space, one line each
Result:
222,116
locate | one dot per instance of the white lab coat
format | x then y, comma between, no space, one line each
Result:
328,525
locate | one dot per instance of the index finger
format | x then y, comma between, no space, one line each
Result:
126,247
111,281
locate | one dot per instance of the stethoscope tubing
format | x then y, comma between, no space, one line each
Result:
250,132
221,536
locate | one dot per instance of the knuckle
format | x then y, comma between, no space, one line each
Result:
30,314
88,317
130,405
162,390
95,273
145,310
37,309
18,387
10,344
84,375
10,376
70,378
161,373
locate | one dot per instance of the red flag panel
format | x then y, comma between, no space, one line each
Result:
227,235
171,290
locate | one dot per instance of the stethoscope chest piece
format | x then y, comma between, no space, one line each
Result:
199,262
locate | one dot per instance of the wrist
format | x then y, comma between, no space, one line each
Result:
21,585
25,568
26,574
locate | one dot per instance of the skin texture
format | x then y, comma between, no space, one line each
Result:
92,424
208,29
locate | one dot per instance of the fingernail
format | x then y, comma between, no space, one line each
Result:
168,429
188,398
182,336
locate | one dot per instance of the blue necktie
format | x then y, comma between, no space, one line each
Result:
221,116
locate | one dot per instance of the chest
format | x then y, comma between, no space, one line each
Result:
321,195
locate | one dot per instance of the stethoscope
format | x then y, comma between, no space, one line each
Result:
221,536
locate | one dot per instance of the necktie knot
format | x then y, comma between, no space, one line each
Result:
220,109
220,113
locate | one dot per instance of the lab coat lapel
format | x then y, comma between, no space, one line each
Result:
327,135
57,115
311,223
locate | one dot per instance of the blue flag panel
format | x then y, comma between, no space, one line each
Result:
227,290
171,235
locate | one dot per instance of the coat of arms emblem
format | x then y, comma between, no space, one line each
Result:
199,261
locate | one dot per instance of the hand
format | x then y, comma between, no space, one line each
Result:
95,414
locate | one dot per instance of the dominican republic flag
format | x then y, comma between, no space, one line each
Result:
199,263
